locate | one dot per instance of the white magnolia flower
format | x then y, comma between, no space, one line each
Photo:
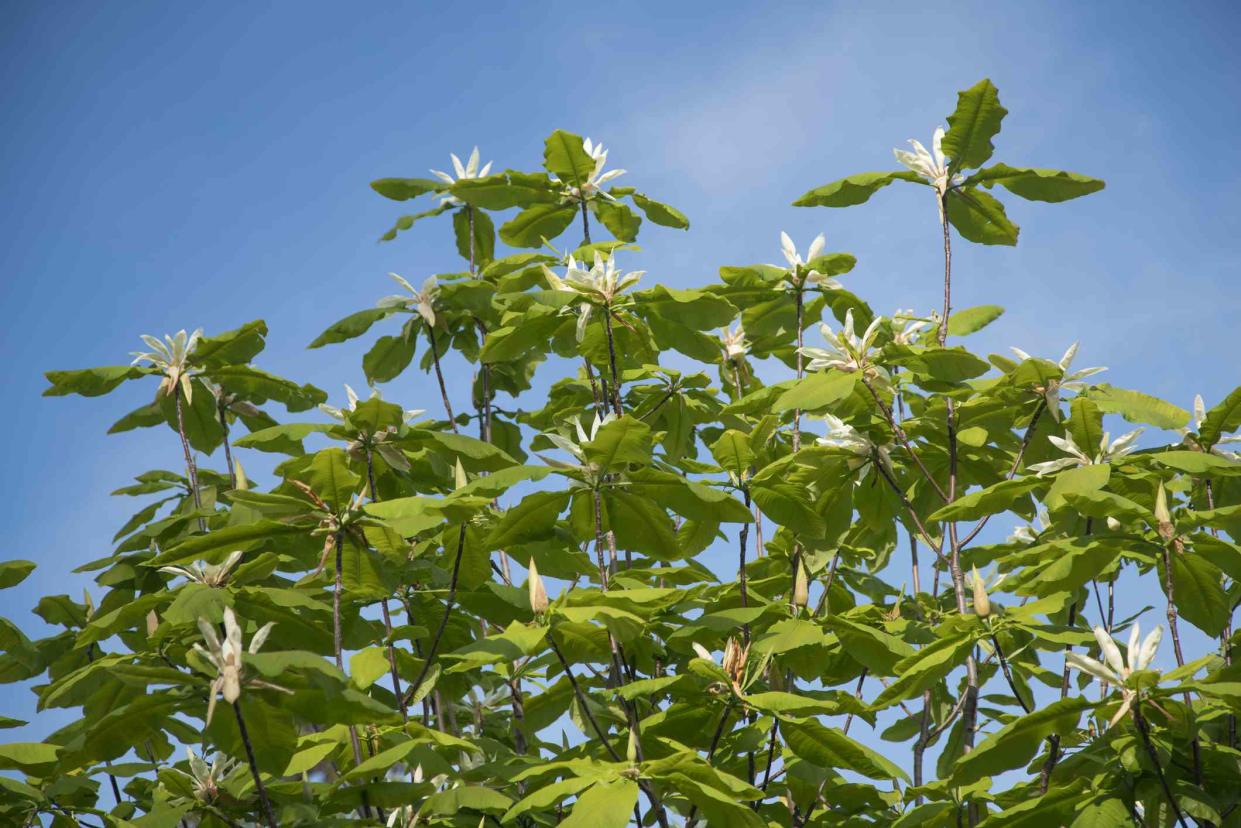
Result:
339,414
597,178
914,326
422,299
226,656
601,284
846,351
463,171
212,575
1029,533
932,166
1107,453
734,341
1070,380
800,269
1190,436
1116,671
172,358
575,448
841,435
206,778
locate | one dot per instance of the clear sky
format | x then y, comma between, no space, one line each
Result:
169,165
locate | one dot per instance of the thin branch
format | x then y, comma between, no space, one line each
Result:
439,632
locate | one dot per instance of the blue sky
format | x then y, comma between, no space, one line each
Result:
169,165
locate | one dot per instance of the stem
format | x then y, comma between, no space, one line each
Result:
1174,628
336,646
439,376
742,542
1008,674
254,767
1054,740
190,467
439,632
228,449
585,223
387,616
616,396
1012,471
1144,731
691,820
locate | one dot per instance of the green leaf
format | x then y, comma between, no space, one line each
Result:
688,498
482,248
403,189
388,357
816,391
250,383
604,805
34,758
1200,597
732,452
830,748
405,222
621,222
536,224
1196,462
1137,407
235,347
619,443
506,190
854,189
565,157
353,325
90,382
996,498
466,798
660,213
971,320
1036,184
924,668
13,573
1221,419
1016,743
532,519
979,218
972,126
285,438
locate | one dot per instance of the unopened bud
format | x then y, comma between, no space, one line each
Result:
801,587
1162,516
982,604
240,474
538,592
631,751
459,478
152,623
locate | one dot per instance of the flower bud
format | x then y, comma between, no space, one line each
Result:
631,751
238,472
152,623
1163,517
801,587
537,591
982,604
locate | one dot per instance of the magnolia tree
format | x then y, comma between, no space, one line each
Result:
498,611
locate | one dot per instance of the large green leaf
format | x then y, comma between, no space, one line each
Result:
353,325
660,213
853,189
972,126
621,222
1137,407
565,157
1221,419
1037,184
13,573
816,391
505,190
604,805
830,748
403,189
90,382
1200,596
980,218
537,224
1016,743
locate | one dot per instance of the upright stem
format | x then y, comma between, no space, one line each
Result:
1053,756
228,449
616,395
439,376
1145,732
1174,628
191,468
1226,635
387,616
268,814
970,711
448,606
336,645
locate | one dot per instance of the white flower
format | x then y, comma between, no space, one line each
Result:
226,657
597,178
1190,436
575,448
846,351
1030,533
1071,380
932,166
339,414
206,779
1116,671
799,268
841,435
734,341
422,299
463,171
1108,452
601,284
914,325
206,574
172,357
